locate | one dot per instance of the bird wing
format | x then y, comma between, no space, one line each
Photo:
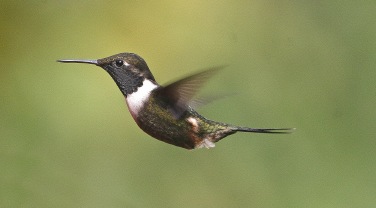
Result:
180,93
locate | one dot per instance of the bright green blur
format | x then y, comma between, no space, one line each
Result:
68,140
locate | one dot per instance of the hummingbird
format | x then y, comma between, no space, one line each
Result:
165,112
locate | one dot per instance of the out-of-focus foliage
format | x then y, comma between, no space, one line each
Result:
67,139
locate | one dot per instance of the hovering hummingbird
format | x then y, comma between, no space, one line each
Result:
164,112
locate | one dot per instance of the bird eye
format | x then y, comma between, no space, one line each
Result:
119,63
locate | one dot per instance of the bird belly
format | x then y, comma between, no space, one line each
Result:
159,123
189,131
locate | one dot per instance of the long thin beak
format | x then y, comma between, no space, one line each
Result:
95,62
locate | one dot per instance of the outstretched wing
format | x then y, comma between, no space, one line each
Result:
179,94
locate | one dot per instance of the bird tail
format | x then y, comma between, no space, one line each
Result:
267,131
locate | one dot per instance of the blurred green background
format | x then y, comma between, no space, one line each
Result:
68,140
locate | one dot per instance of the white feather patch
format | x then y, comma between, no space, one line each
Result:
136,100
206,143
194,124
195,127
